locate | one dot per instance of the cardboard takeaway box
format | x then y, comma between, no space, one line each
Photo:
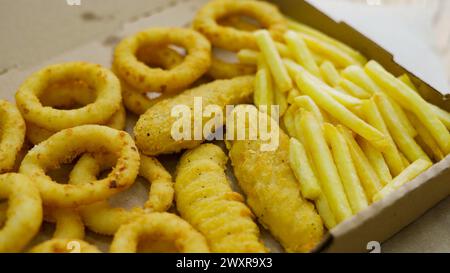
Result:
377,223
385,218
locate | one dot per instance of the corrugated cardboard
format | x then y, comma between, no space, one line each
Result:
377,223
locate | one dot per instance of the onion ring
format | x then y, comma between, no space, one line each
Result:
162,225
105,83
24,212
64,246
231,38
12,130
100,217
166,58
144,79
36,134
67,144
69,224
223,70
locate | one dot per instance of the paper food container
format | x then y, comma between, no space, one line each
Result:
385,218
377,223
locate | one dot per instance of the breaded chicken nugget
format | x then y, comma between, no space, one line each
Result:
273,192
153,129
205,199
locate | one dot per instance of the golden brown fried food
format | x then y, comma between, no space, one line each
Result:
273,192
205,199
153,129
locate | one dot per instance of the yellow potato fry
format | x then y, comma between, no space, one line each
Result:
411,172
406,144
325,212
263,88
273,60
443,115
376,160
346,168
301,53
405,160
327,39
334,108
289,120
391,153
326,169
353,89
358,76
301,166
307,103
281,101
411,101
247,56
329,51
407,80
292,95
426,139
367,175
329,73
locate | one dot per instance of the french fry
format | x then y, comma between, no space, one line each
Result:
329,73
288,120
281,101
425,139
264,94
329,51
334,108
299,27
325,212
346,168
273,60
301,53
247,56
376,160
326,169
406,144
353,89
412,171
367,175
391,153
301,166
358,76
292,95
407,80
405,160
413,102
307,103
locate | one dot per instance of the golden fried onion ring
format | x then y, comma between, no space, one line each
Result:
162,225
59,245
69,224
206,22
66,145
163,57
145,79
36,134
105,83
12,135
223,70
23,214
100,217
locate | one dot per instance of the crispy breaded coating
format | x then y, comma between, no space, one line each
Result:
153,129
273,193
205,199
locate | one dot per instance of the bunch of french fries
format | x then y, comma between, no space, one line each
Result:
357,132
